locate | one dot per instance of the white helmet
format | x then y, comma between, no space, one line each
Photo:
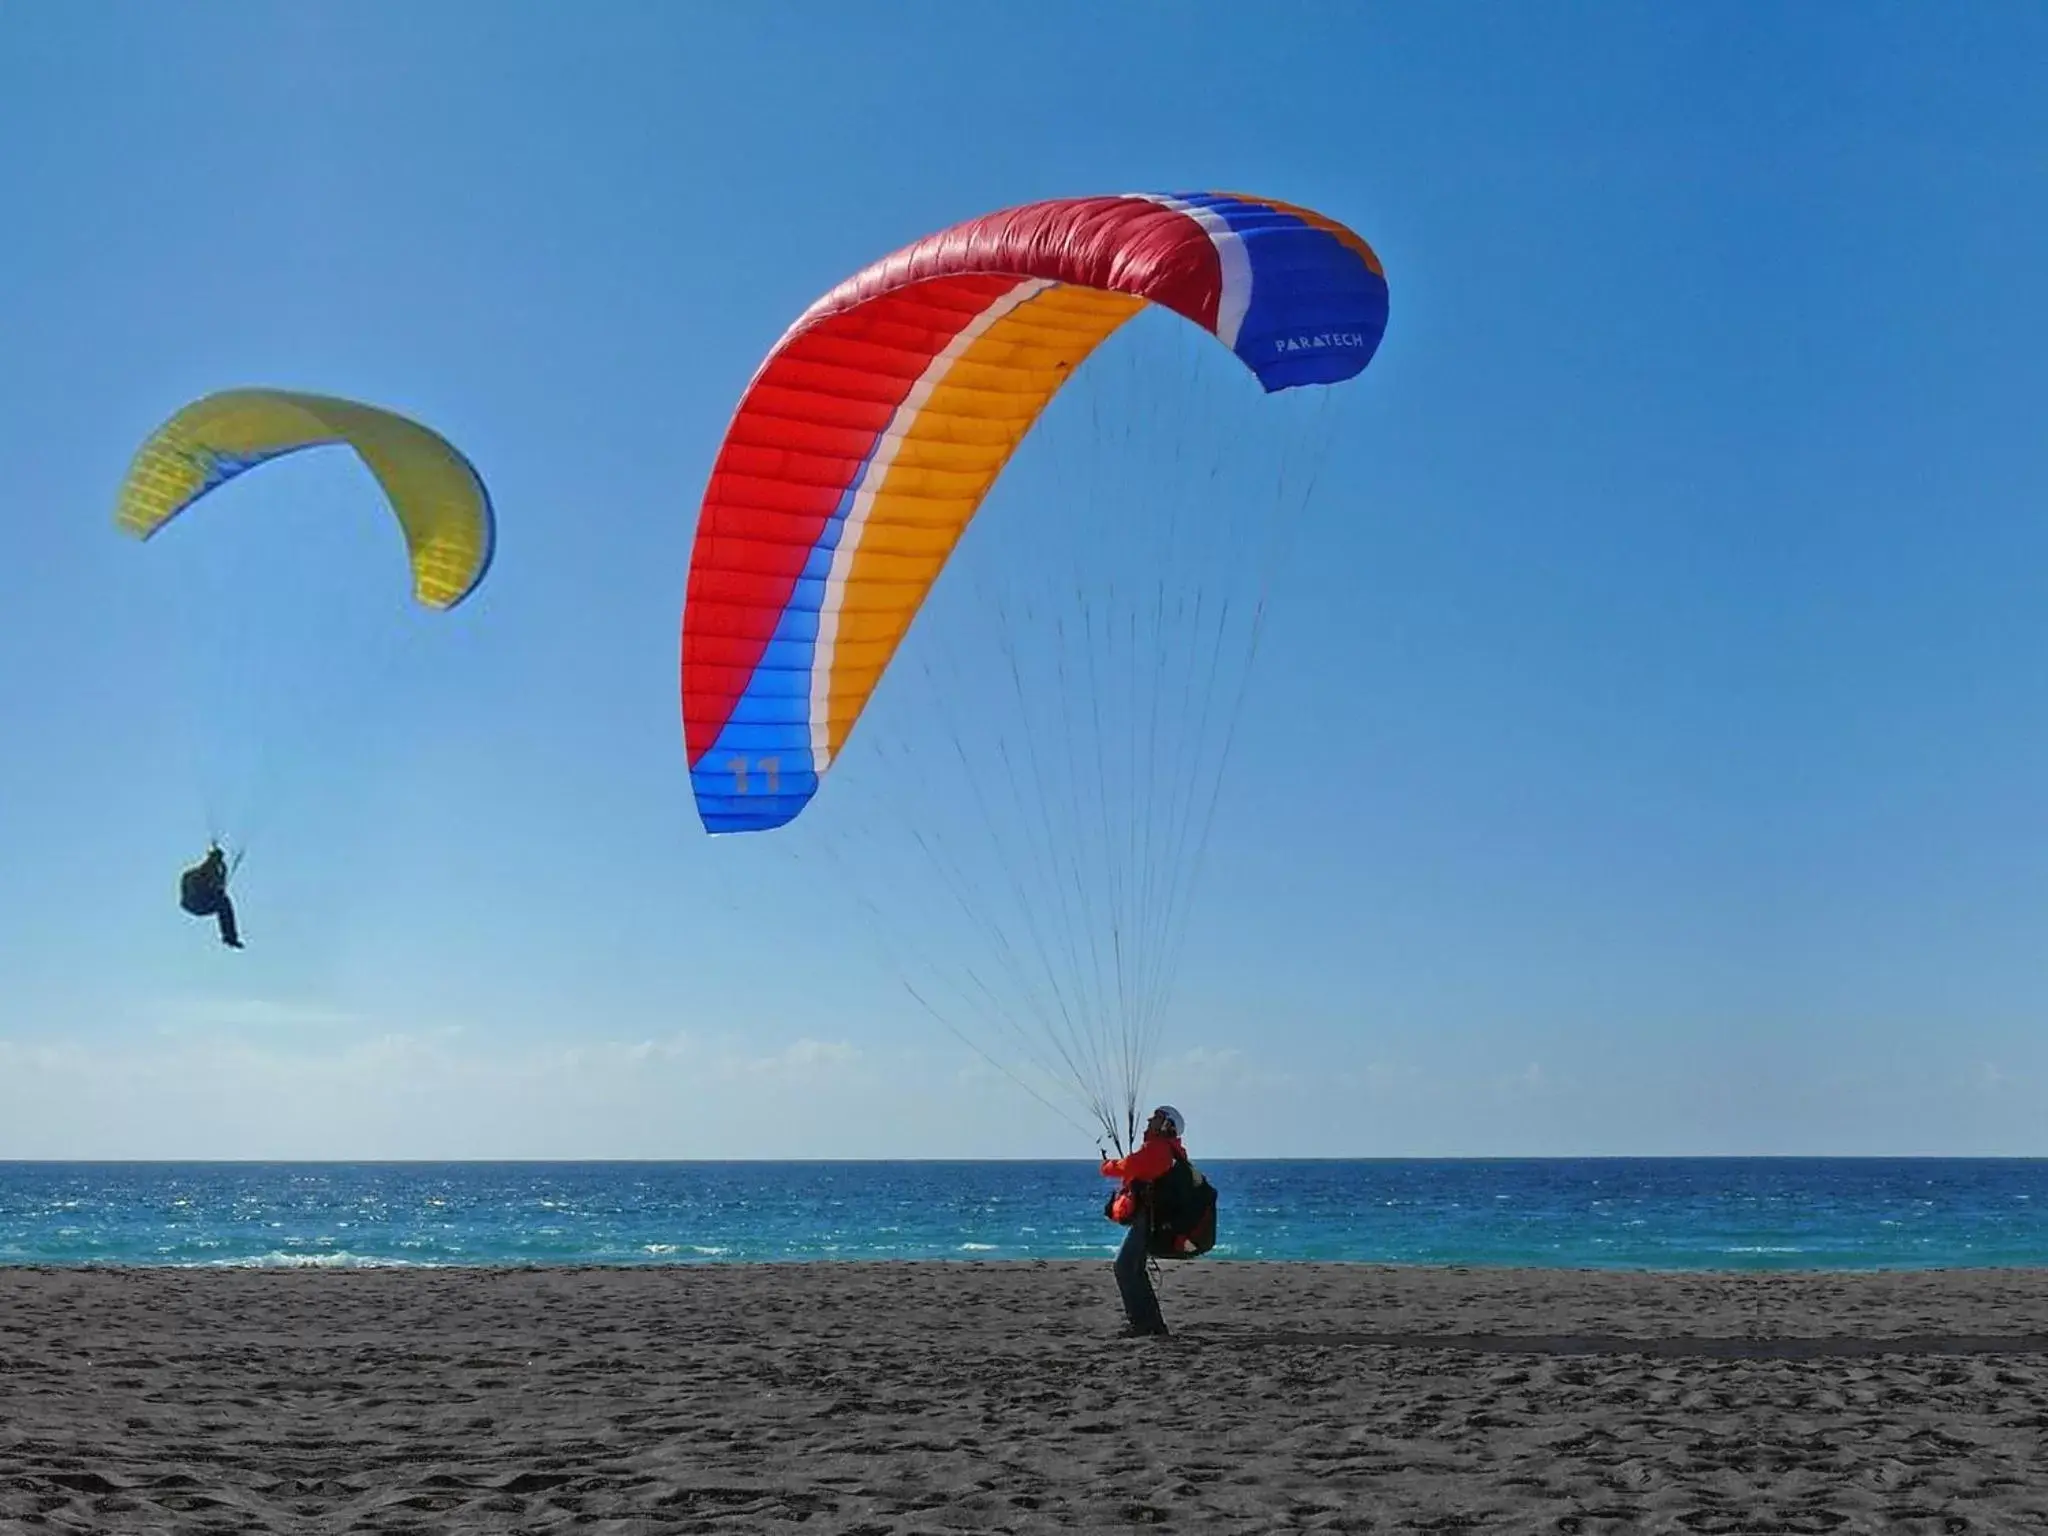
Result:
1174,1121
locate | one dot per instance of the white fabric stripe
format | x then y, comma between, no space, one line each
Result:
1231,256
871,480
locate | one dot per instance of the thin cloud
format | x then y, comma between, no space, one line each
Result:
181,1014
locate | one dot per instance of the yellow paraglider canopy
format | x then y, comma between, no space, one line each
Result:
438,497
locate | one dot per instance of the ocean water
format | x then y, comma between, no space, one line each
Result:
1665,1213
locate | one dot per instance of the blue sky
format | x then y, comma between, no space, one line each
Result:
1668,627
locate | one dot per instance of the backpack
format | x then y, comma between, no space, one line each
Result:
1183,1213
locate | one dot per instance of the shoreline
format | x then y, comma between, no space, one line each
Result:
346,1263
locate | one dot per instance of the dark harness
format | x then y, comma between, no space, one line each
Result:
1180,1208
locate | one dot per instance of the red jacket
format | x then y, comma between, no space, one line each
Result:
1153,1158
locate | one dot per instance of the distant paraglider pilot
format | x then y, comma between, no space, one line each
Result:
203,891
1157,1156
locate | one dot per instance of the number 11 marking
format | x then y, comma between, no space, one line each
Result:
771,771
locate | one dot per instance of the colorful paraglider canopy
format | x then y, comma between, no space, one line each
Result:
438,497
871,434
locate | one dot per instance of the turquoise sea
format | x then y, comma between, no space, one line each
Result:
1662,1213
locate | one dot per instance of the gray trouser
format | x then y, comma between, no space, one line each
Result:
1141,1306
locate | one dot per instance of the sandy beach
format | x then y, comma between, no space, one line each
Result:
994,1397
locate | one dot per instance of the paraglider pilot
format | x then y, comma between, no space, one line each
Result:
1154,1157
203,891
